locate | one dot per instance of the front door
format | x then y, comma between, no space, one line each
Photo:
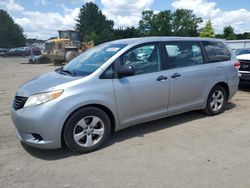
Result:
143,96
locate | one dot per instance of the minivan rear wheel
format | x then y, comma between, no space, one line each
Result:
87,130
216,101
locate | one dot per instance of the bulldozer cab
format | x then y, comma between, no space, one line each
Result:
73,35
66,47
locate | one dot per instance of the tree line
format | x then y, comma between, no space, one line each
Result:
11,34
228,32
94,25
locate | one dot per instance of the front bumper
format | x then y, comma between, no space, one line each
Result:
39,126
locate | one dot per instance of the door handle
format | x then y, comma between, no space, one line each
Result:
176,75
162,78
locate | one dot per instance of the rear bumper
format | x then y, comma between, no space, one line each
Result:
244,77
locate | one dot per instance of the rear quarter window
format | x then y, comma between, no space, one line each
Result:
216,51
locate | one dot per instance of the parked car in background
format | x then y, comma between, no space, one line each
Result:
3,51
36,51
242,51
122,83
32,51
23,51
13,52
244,68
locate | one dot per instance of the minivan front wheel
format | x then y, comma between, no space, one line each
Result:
216,101
87,130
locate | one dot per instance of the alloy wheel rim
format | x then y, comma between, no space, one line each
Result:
217,100
88,131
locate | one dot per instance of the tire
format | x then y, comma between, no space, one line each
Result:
87,130
216,101
70,55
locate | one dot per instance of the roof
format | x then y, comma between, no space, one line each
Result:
152,39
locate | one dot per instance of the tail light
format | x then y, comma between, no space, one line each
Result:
237,65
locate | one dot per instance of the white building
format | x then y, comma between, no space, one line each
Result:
238,44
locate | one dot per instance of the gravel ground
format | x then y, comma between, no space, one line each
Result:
188,150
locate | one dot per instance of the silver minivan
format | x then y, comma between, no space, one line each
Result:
122,83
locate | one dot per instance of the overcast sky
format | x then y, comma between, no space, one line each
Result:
42,18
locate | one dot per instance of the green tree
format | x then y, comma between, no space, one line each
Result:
145,24
161,23
93,24
207,30
11,34
245,35
219,36
185,23
158,24
128,32
228,33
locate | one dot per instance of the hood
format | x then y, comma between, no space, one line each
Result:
44,83
244,57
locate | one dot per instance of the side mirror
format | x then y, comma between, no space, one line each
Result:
124,71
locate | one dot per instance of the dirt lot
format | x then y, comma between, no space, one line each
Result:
189,150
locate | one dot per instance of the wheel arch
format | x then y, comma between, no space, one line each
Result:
222,84
225,86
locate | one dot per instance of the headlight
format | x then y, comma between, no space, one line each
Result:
42,98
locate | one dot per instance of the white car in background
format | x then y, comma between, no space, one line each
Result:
244,68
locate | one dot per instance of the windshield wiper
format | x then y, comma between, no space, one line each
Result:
62,71
68,72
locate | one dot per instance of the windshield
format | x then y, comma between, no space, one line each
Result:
64,35
242,51
74,36
92,59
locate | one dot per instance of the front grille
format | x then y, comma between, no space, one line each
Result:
49,47
244,65
19,102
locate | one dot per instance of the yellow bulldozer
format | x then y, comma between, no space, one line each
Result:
64,48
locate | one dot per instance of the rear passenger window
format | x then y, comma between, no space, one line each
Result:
182,54
216,51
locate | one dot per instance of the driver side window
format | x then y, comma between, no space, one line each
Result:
144,59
